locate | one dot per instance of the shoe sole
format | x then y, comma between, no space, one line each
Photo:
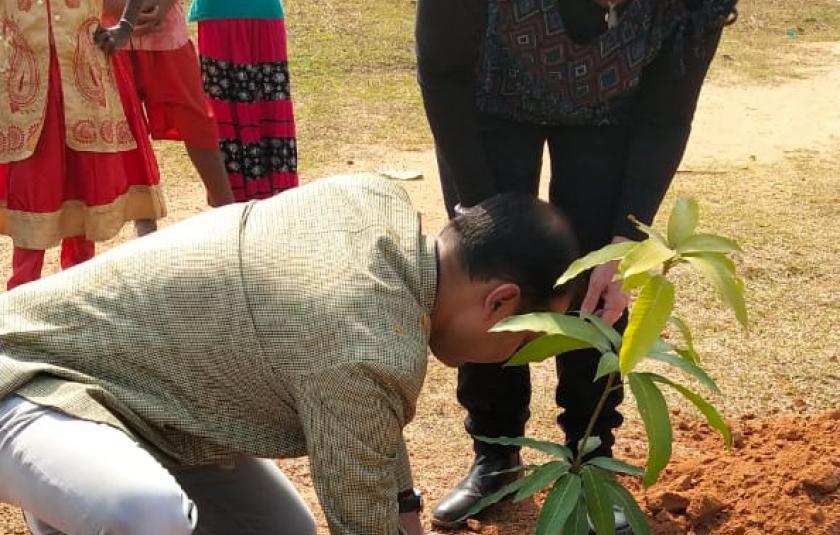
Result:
455,524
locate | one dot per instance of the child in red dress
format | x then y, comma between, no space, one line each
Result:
167,77
75,160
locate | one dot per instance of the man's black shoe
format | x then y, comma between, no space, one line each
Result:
450,511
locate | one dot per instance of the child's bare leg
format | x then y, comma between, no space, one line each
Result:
211,168
144,226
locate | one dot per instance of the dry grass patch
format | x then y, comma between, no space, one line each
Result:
786,217
773,40
353,73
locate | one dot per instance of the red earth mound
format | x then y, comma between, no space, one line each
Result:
782,477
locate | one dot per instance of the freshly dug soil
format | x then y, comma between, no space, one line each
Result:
782,477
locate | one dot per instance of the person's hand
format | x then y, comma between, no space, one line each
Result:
411,524
603,288
151,18
109,40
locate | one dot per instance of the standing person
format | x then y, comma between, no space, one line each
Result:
75,159
141,393
611,87
162,59
246,77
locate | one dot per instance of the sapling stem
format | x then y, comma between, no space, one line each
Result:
591,425
608,389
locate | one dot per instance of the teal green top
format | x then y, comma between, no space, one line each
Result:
235,9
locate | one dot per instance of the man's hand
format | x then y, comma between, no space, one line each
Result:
602,288
411,524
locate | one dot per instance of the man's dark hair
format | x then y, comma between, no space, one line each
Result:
520,239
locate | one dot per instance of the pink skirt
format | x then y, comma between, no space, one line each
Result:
246,78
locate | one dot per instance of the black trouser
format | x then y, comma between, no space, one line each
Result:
479,156
489,156
448,35
587,166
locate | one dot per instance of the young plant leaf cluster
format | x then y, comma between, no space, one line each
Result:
582,492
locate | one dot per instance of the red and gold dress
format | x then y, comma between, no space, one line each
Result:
75,159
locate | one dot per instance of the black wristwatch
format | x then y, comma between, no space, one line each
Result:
410,501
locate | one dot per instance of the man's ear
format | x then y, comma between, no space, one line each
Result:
502,301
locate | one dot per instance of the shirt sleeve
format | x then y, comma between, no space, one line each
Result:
353,417
659,131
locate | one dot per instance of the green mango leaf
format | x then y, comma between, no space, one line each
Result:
689,352
559,504
712,415
654,413
540,445
493,498
578,521
688,367
614,465
720,271
545,347
606,365
707,243
591,444
635,517
520,468
650,231
648,316
683,220
557,324
542,477
688,355
598,501
608,253
634,282
609,332
646,256
661,346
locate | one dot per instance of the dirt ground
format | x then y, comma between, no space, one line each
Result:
783,475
